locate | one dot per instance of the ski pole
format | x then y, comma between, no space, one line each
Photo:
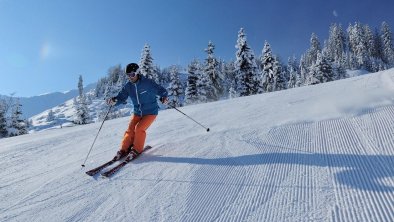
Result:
83,165
189,117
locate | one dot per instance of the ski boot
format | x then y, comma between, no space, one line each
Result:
132,155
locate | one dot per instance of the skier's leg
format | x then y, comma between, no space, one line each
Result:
129,135
140,131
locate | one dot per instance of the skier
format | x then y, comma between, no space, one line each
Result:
143,92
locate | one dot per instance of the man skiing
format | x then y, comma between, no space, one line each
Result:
143,92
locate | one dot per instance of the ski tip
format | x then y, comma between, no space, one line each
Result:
83,165
89,174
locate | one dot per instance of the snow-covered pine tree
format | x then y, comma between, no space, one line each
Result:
320,72
279,75
147,68
175,88
159,74
369,40
232,93
304,72
314,49
339,71
3,122
230,81
17,126
191,92
336,43
100,87
378,50
358,45
116,80
387,44
267,68
291,69
50,116
203,87
82,113
248,80
212,70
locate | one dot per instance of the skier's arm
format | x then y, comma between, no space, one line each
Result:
158,89
122,96
161,92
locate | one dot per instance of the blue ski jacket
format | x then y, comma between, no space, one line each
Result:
143,94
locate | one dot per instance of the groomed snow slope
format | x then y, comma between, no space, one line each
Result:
316,153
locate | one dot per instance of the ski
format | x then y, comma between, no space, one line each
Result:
112,171
96,170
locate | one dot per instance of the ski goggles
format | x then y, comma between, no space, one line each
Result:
131,74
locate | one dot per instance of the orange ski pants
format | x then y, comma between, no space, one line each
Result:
136,132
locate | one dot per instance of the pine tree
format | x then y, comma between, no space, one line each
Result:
212,70
229,77
314,49
248,80
267,67
158,73
279,76
100,87
191,94
80,85
378,51
175,88
369,41
387,44
3,122
292,70
232,93
50,116
203,87
82,113
147,68
321,71
304,72
115,81
17,126
339,72
358,46
336,43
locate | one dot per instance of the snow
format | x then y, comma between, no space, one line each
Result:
316,153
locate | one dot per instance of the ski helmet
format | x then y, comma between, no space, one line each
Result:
132,67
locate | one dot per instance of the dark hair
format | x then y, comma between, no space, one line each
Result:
132,67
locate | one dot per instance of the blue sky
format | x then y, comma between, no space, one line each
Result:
46,44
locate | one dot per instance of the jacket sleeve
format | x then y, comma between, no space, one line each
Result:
122,96
161,91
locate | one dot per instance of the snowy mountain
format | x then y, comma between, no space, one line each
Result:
36,104
64,114
315,153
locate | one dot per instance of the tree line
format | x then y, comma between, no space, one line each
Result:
357,47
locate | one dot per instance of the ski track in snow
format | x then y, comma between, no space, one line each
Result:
332,169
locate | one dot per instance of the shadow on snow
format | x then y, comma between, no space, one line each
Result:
362,171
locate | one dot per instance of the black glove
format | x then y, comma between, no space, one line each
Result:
164,100
111,101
